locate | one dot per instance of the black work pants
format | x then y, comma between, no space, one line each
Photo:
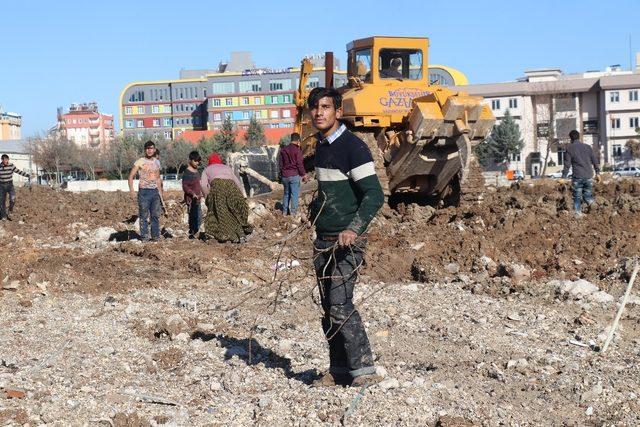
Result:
6,190
336,272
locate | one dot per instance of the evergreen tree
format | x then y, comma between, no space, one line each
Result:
504,141
225,141
255,134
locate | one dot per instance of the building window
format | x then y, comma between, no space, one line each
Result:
542,130
313,82
228,102
228,114
633,95
274,114
128,123
515,157
614,96
561,156
216,102
615,123
155,109
156,123
167,108
167,134
617,150
167,122
633,122
513,103
245,101
246,115
274,99
137,96
282,84
217,117
287,99
140,124
286,113
495,104
256,100
257,114
222,88
590,127
128,110
141,110
250,86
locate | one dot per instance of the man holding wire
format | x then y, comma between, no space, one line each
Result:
349,196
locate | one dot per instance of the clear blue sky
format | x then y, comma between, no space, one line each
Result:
57,52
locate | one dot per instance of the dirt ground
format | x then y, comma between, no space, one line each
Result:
486,314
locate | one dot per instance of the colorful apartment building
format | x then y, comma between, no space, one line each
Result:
10,125
170,107
85,125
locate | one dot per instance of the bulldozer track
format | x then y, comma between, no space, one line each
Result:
369,138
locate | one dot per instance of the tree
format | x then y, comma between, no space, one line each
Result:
285,140
504,141
225,141
53,153
122,153
89,159
177,155
255,134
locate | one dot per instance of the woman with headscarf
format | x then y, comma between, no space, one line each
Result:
228,211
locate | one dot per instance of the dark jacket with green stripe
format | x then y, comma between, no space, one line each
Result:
349,191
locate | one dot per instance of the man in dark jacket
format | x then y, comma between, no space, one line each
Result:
6,186
291,174
580,158
349,196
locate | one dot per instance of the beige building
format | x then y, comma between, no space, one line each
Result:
19,154
85,126
604,106
10,125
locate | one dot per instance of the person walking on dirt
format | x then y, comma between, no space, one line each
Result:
580,158
291,173
6,186
192,192
150,194
349,196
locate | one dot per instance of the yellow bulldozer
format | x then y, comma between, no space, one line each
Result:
420,134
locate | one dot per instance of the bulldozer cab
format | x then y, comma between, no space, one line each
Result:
388,59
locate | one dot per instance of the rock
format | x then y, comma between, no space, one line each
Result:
187,304
413,287
515,317
600,297
451,421
589,411
11,286
173,326
418,246
14,393
516,272
578,289
264,401
215,386
389,383
452,268
42,287
182,337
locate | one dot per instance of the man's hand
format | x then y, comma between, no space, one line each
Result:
597,178
305,178
132,194
347,238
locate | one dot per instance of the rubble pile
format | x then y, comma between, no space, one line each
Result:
484,314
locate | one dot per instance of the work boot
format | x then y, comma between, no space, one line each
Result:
366,380
9,218
578,215
329,379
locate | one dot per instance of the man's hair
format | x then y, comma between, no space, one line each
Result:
295,136
321,92
4,156
149,144
194,155
396,62
574,135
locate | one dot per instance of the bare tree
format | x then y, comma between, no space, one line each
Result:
89,159
52,153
